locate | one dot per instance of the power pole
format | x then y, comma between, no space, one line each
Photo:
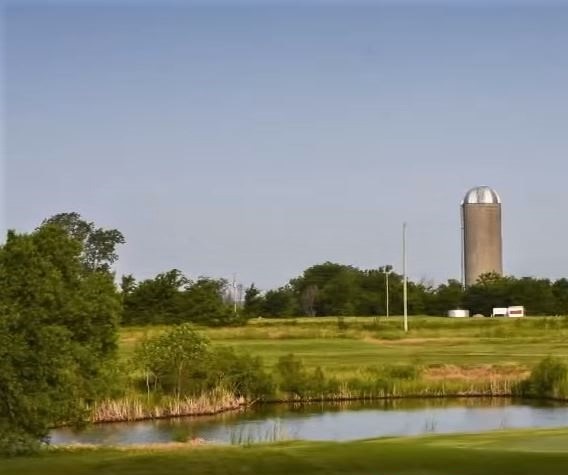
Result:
235,293
405,278
387,270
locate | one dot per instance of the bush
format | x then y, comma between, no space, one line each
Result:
14,442
182,362
242,374
297,381
293,376
404,372
317,383
547,379
176,361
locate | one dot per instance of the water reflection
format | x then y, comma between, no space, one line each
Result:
331,421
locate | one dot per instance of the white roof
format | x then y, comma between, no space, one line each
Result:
481,195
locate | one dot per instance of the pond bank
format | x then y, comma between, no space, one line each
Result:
518,452
137,407
339,421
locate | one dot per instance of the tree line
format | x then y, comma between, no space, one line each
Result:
332,289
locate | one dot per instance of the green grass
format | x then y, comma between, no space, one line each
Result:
478,356
525,452
369,341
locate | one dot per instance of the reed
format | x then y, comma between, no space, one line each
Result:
362,390
137,407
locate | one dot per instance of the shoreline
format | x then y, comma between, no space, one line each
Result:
245,405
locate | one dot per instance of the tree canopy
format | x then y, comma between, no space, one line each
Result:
58,328
332,289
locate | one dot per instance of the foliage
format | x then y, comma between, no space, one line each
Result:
98,245
40,380
240,373
58,329
181,361
171,297
404,372
298,382
549,378
253,302
293,376
176,360
156,300
203,303
280,302
332,289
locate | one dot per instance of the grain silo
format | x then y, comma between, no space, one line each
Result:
481,234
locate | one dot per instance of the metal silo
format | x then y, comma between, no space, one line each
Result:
482,249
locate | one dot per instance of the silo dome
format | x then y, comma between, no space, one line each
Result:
482,195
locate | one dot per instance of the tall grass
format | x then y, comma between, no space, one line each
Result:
137,407
388,381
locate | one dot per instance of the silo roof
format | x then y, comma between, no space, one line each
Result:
481,195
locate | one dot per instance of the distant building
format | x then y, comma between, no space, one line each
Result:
516,311
482,249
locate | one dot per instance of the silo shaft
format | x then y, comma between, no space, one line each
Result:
482,240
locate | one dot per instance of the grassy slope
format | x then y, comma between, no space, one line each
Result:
529,452
370,342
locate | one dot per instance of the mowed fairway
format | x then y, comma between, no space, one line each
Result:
358,343
526,452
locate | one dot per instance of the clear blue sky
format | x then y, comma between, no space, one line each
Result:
264,139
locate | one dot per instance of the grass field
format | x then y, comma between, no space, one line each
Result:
527,452
464,346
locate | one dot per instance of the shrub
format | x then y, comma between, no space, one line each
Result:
242,374
14,442
176,360
317,383
296,380
293,375
547,379
404,372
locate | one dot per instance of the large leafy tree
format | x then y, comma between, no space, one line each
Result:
58,328
170,297
98,245
203,302
154,300
253,302
280,302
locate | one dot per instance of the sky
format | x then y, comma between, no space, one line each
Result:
263,138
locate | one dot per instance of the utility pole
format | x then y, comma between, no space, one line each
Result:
405,278
235,293
387,270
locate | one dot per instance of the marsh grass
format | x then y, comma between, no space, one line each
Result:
137,407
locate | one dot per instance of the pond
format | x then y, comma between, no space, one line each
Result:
329,421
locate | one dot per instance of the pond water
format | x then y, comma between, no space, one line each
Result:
325,421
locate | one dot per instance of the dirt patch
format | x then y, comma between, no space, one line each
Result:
476,373
413,341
